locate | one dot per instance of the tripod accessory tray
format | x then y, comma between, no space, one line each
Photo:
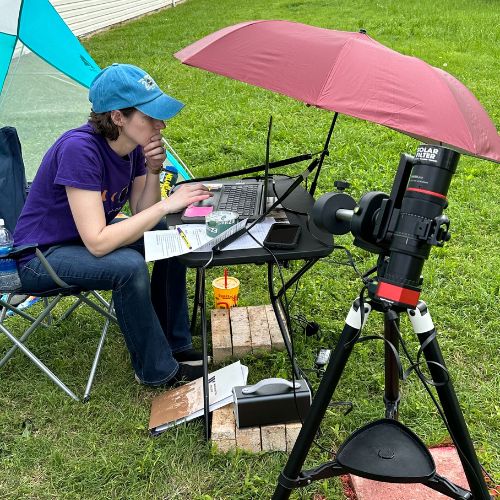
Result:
386,450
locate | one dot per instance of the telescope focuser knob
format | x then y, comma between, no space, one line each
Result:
341,185
435,232
442,232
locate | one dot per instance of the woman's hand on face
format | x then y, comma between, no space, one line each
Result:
185,195
155,154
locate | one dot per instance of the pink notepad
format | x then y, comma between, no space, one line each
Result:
193,211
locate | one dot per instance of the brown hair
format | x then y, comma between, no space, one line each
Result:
104,125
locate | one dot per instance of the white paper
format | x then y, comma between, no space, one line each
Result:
259,231
245,241
169,243
220,390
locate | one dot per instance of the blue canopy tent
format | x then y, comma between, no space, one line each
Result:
40,28
44,76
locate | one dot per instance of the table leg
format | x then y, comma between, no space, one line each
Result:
202,305
196,303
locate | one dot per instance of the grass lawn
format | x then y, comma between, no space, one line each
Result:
52,447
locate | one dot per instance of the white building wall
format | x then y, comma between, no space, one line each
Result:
86,16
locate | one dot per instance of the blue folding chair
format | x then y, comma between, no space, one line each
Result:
12,198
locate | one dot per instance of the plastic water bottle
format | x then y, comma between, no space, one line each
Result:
9,279
168,179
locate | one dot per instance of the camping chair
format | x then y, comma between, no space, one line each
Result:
12,197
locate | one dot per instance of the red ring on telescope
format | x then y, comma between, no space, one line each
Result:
430,193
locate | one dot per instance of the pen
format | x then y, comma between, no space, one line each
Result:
184,238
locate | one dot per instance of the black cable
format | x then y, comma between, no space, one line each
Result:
363,277
434,400
331,453
287,318
301,320
295,291
286,311
350,262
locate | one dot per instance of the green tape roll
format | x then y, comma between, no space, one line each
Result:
219,221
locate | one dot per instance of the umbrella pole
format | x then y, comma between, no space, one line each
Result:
324,153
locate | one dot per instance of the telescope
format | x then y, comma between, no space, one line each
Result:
401,227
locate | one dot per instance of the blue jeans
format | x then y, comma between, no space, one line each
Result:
152,314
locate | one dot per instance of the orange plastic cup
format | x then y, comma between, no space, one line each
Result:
225,298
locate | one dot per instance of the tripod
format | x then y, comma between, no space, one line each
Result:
386,450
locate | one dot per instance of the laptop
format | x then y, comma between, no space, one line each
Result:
247,197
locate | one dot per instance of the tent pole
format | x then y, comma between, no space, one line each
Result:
177,157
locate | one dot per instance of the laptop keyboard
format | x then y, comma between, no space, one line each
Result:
239,198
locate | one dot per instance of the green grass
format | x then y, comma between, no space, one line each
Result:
51,447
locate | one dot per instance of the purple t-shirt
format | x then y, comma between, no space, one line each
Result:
82,159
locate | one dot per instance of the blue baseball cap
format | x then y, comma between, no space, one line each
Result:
125,86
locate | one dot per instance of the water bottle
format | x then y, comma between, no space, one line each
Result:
168,179
9,279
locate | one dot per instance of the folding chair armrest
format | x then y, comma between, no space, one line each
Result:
16,252
50,270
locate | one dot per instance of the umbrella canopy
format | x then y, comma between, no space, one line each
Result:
353,74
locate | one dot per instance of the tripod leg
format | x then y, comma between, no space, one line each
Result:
424,328
391,393
321,401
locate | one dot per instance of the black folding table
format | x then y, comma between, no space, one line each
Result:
312,246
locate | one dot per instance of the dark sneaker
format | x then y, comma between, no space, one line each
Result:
190,357
185,373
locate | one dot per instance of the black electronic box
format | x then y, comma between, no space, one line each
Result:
271,401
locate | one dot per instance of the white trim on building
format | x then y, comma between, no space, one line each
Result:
86,16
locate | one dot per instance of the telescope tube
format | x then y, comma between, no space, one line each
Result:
419,225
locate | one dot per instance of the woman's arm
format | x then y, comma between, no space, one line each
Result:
100,239
144,193
146,188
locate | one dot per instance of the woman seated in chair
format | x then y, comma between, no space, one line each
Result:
83,182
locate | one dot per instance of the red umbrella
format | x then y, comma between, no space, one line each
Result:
353,74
